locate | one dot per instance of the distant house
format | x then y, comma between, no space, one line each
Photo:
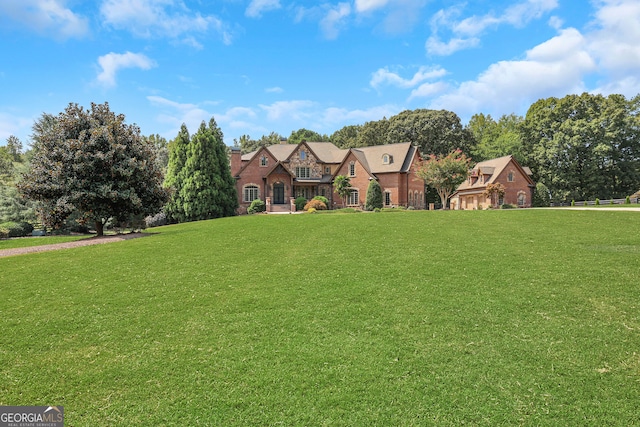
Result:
280,173
504,170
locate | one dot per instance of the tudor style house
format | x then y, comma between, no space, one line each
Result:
280,173
504,170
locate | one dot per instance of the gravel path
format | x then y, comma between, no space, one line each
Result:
84,242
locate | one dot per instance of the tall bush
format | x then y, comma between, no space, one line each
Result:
374,196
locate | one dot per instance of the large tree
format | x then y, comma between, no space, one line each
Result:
436,132
307,135
93,163
346,137
247,145
203,187
444,173
173,180
496,139
584,146
342,186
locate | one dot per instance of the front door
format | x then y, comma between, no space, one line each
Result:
278,193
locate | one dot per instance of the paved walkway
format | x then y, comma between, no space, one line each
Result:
83,242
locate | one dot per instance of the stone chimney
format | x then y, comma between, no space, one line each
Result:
284,141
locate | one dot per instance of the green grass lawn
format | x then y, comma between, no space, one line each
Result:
517,317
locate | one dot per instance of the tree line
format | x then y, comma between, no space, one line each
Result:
89,166
579,147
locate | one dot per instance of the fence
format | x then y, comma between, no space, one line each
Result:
632,200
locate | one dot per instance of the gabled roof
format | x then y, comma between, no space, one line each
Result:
401,156
493,168
326,152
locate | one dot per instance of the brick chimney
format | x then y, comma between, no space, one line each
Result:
236,160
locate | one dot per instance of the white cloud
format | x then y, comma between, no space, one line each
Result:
384,76
464,32
112,62
11,124
333,116
291,110
257,7
616,42
555,67
428,90
160,18
368,5
275,89
46,16
334,20
435,46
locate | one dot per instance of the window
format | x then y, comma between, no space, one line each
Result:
387,198
327,170
264,161
250,193
410,198
510,176
303,155
354,198
387,159
352,169
522,199
302,172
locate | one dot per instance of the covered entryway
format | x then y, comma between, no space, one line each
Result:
278,193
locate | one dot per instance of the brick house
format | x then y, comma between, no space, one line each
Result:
505,170
280,173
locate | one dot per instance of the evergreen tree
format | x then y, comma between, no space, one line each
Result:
374,196
174,177
200,176
227,194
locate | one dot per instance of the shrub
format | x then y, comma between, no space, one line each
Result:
257,206
585,203
316,204
311,210
377,210
611,202
374,196
573,202
508,206
597,202
322,199
411,208
156,220
541,196
627,200
15,229
300,202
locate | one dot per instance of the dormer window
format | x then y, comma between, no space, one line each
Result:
386,159
264,161
303,155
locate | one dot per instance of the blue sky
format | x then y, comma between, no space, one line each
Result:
259,66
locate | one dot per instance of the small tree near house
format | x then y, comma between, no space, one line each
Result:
445,173
342,186
494,192
374,196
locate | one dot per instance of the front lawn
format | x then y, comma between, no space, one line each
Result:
522,317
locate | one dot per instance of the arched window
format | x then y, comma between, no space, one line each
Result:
410,198
522,199
416,201
386,159
354,197
250,193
